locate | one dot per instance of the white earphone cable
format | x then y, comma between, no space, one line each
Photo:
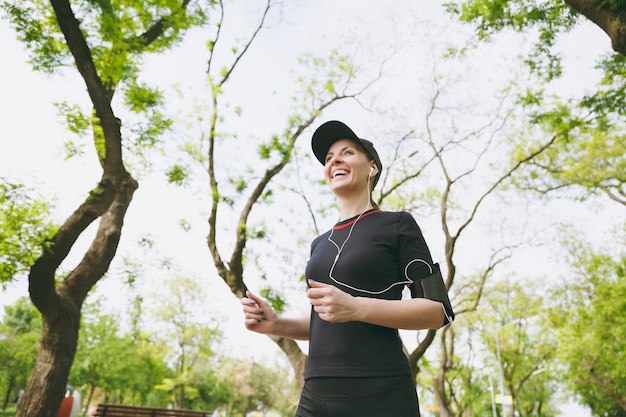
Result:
340,249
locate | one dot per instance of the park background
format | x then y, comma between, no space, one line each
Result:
416,43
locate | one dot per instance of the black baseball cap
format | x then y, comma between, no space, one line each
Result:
334,130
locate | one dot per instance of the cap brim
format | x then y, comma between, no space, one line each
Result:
327,134
334,130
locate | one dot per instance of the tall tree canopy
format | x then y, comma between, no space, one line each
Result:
550,17
589,132
106,42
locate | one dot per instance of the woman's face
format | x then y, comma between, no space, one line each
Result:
347,167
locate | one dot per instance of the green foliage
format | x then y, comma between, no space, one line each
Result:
118,34
329,74
178,174
589,150
140,97
213,391
143,134
77,122
186,332
274,145
258,231
612,5
511,310
116,31
36,27
257,387
25,226
608,99
96,194
19,337
240,184
127,368
548,18
592,330
468,378
99,140
171,386
117,364
273,297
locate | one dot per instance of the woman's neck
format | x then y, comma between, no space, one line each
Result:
349,208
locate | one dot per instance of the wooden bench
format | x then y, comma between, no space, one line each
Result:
118,410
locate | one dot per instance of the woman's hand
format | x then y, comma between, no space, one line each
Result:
336,306
332,304
258,314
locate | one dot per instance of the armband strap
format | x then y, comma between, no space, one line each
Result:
433,288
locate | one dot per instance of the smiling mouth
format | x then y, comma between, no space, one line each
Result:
339,172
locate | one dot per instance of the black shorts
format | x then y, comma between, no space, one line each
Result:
359,397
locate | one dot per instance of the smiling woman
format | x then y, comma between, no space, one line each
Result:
349,170
356,274
341,151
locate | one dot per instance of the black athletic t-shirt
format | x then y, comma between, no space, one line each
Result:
381,252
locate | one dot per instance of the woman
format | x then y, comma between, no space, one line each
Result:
356,274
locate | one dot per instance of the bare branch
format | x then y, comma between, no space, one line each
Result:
260,26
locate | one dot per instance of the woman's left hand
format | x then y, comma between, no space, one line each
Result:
332,304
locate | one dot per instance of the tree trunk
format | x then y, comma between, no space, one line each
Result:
48,381
91,391
8,396
419,351
446,364
440,394
181,396
60,306
612,22
296,357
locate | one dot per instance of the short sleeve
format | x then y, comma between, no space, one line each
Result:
413,254
418,266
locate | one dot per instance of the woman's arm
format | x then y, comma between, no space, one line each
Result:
260,317
336,306
411,314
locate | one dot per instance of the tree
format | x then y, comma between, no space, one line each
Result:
211,389
19,333
514,326
117,367
588,156
551,18
461,158
183,327
588,314
588,152
257,387
106,42
507,344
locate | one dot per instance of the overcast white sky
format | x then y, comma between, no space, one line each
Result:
32,138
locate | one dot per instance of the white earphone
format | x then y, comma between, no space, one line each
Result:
371,171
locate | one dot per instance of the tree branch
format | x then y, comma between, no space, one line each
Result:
112,160
613,23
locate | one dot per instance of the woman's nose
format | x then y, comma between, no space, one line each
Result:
334,160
